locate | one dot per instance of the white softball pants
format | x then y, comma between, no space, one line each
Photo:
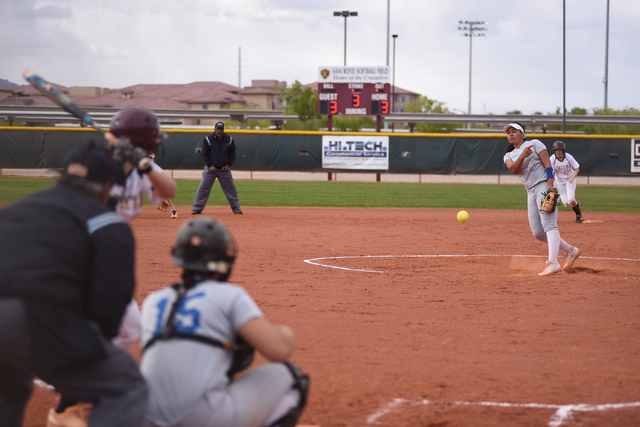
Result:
567,192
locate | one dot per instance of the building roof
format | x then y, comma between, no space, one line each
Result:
167,96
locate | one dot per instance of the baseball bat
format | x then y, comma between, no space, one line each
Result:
61,99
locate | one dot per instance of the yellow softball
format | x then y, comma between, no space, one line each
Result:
463,216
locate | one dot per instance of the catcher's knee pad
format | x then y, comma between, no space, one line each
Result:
301,383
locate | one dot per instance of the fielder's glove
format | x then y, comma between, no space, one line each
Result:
164,205
550,201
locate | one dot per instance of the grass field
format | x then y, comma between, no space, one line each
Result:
367,195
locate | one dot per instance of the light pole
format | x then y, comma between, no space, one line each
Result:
606,62
393,86
388,20
472,29
346,14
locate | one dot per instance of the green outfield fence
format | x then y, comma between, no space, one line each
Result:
409,153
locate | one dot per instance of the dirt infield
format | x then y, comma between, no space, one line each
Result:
405,317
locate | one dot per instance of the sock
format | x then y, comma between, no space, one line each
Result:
553,241
577,210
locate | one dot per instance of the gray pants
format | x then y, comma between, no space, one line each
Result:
226,182
246,402
115,385
540,222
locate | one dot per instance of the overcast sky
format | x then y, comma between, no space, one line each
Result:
517,66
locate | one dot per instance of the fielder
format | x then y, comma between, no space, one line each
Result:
197,334
530,161
566,169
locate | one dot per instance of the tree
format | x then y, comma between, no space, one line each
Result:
300,101
599,129
426,105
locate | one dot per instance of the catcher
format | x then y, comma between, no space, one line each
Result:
530,161
197,334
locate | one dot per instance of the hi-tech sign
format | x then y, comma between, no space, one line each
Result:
355,152
635,155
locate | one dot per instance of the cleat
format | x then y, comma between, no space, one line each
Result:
174,214
238,212
579,219
550,268
73,416
195,212
571,258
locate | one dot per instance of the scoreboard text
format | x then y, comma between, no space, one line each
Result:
354,99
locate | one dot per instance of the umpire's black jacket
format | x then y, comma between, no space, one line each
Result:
71,261
218,152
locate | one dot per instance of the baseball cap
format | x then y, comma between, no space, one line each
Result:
515,126
219,125
91,163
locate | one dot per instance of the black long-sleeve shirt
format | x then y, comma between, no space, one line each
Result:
64,247
218,152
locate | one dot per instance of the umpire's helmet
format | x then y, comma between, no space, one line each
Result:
559,145
204,246
140,126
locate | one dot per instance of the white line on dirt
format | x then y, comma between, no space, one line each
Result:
312,260
563,412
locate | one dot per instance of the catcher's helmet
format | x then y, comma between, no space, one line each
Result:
558,145
204,246
140,126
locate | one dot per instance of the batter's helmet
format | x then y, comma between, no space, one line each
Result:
140,126
559,145
204,246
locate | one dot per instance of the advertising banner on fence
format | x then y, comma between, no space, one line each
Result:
355,152
635,155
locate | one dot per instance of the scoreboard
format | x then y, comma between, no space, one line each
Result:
354,99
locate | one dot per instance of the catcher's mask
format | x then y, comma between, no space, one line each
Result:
140,125
204,246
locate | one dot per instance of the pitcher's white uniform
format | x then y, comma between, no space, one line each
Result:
187,379
563,170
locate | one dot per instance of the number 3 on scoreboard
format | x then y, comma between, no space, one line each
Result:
333,107
355,100
385,107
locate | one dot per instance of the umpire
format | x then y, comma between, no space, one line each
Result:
219,154
67,276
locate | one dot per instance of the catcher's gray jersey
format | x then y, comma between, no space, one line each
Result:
532,171
180,371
